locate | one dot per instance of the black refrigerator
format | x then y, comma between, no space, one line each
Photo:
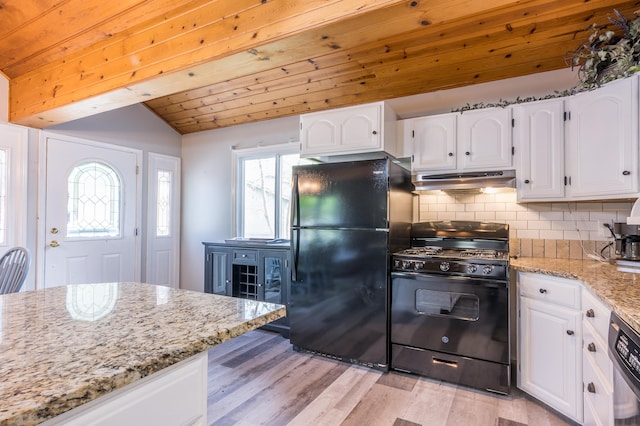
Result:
346,220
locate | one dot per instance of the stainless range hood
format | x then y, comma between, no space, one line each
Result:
466,180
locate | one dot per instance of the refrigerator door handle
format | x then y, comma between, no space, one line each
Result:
295,240
295,199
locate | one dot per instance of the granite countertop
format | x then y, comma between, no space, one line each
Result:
64,346
619,290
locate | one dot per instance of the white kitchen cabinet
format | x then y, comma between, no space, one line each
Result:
478,140
539,149
176,395
434,143
484,139
598,368
353,130
602,142
550,341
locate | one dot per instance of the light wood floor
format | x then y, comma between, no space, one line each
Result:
257,379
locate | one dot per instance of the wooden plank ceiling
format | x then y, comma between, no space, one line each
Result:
206,64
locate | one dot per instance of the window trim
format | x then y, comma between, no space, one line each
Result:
239,155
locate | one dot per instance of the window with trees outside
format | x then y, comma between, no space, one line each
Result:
264,192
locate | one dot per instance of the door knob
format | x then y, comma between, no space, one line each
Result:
590,313
54,243
54,230
591,347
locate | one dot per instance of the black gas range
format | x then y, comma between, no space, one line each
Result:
466,248
450,304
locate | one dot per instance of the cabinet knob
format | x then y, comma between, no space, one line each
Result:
591,347
527,181
570,332
591,387
451,154
467,153
590,313
375,132
543,290
626,173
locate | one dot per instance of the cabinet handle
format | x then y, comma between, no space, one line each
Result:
626,173
375,133
590,313
543,290
570,332
591,347
451,154
467,153
591,387
527,181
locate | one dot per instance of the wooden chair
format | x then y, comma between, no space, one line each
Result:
14,266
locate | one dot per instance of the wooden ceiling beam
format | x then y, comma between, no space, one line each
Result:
139,64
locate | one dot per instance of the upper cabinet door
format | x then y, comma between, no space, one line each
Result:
539,145
434,143
361,128
602,141
484,139
349,130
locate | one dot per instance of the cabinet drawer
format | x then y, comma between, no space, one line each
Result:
595,350
596,314
559,291
598,396
245,256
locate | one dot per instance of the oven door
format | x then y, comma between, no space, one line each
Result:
456,315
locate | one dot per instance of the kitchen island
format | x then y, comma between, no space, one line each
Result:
64,347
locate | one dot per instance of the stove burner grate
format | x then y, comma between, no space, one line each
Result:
480,254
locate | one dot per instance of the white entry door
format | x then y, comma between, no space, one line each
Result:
91,213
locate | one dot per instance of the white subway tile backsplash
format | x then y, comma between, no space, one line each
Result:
528,215
486,216
465,216
527,233
539,224
495,207
571,235
551,235
576,215
553,223
475,207
507,217
549,216
563,225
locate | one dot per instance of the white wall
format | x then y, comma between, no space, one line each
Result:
207,186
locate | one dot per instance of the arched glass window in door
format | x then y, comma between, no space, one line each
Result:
94,194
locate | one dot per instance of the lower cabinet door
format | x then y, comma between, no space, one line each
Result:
550,355
598,396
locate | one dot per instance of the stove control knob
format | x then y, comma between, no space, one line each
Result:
418,265
472,268
397,263
487,269
444,266
406,264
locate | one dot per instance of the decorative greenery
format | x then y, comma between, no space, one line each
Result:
608,55
605,56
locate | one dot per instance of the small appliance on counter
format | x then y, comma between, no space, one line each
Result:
627,241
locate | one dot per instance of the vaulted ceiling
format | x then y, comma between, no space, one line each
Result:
206,64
